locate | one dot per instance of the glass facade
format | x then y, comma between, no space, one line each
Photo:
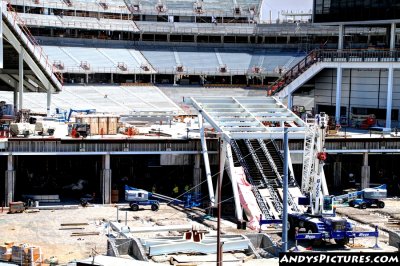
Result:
355,10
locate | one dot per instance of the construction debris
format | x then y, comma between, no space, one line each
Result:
74,224
85,233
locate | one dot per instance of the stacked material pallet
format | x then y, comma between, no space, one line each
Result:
22,254
5,251
100,124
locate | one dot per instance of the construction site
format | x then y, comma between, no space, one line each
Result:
195,133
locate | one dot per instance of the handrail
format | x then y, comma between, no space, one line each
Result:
31,43
347,55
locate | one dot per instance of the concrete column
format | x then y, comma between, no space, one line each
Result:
168,37
231,80
222,157
341,34
392,36
338,93
15,98
21,79
389,99
290,101
9,180
106,180
365,172
134,78
175,78
112,78
197,174
337,174
49,89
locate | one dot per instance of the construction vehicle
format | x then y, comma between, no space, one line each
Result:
78,130
139,197
367,197
63,117
319,221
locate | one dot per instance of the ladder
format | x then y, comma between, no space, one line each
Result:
261,203
308,159
275,199
271,162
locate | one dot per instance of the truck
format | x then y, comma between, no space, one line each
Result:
319,222
140,197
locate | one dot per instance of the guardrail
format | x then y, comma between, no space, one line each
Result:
315,56
29,42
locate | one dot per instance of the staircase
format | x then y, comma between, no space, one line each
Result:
264,169
252,174
274,158
16,31
294,72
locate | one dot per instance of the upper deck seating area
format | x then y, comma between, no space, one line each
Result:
193,60
95,60
114,6
77,22
187,7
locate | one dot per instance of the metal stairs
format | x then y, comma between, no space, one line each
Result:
255,183
275,160
277,203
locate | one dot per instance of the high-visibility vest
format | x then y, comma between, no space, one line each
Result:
176,189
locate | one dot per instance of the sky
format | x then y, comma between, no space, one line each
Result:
287,5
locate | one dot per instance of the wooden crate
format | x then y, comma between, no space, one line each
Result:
103,125
17,206
112,125
94,125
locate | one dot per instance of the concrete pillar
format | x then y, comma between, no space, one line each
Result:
365,172
290,101
175,78
21,79
338,93
341,34
106,180
168,37
389,99
392,36
337,174
112,78
231,80
9,180
134,78
49,89
87,78
15,98
222,157
197,174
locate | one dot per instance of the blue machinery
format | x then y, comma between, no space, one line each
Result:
139,197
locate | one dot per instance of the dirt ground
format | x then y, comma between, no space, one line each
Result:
42,227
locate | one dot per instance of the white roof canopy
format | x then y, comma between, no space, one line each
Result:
249,117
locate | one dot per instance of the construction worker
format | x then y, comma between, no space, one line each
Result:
187,188
175,190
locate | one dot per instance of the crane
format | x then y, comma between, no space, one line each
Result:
319,222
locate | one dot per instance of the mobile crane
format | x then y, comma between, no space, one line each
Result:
319,221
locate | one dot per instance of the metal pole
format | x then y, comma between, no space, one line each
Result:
285,190
219,245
